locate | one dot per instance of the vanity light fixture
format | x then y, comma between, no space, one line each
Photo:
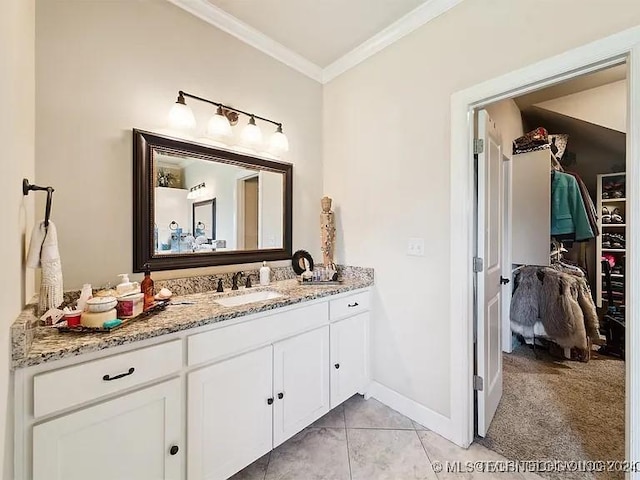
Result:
251,133
196,191
181,117
219,126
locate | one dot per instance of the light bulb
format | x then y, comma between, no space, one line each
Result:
251,134
219,125
279,143
181,117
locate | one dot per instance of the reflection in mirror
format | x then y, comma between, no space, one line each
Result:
202,205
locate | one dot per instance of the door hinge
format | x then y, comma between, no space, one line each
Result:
478,265
478,383
478,146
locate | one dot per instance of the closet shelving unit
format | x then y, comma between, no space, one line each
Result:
619,228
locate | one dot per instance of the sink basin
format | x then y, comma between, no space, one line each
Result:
246,298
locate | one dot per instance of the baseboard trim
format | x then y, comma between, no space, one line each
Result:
412,409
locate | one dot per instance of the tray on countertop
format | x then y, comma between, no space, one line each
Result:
158,306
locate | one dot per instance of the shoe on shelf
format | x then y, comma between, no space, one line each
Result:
617,241
616,216
617,194
606,215
606,240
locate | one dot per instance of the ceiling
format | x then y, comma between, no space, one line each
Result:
575,85
603,137
319,38
321,31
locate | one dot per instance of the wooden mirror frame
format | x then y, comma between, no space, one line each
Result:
144,143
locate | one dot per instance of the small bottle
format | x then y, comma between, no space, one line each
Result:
85,294
146,287
265,274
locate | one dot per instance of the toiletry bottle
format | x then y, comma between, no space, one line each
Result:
85,294
265,274
125,286
146,287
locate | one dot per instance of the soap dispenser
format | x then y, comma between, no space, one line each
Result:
265,274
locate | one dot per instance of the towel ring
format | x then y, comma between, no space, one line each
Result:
28,187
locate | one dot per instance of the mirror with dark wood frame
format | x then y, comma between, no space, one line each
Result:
196,205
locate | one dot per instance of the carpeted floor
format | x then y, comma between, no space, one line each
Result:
555,409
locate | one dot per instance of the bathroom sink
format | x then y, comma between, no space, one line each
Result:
246,298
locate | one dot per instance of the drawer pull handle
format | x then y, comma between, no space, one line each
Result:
269,401
337,365
354,304
108,378
174,449
281,395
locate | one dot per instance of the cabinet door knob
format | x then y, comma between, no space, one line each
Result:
108,378
174,449
281,395
337,365
354,304
269,401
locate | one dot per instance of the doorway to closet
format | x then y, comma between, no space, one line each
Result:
551,186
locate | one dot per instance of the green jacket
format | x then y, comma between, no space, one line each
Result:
568,212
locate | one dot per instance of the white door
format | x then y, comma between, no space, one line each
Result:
348,357
133,437
229,407
489,286
300,382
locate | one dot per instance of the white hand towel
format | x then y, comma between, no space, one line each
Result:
43,252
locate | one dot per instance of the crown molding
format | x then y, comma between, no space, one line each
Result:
231,25
394,32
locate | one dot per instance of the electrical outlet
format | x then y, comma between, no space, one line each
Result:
415,247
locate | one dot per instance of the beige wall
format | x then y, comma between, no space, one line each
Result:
17,122
386,163
605,105
106,67
508,118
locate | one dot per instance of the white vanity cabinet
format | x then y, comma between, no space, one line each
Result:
229,420
134,436
241,408
198,404
301,382
348,357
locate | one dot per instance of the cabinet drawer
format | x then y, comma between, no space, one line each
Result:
349,305
226,341
64,388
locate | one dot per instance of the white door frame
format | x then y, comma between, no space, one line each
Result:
593,56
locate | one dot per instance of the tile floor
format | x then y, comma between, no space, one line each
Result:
365,440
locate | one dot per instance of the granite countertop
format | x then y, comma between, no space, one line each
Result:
46,344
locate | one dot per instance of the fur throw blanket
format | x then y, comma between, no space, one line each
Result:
561,301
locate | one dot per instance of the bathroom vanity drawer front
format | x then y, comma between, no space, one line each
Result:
349,305
67,387
227,341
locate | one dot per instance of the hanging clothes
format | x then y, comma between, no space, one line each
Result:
569,219
592,213
554,302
